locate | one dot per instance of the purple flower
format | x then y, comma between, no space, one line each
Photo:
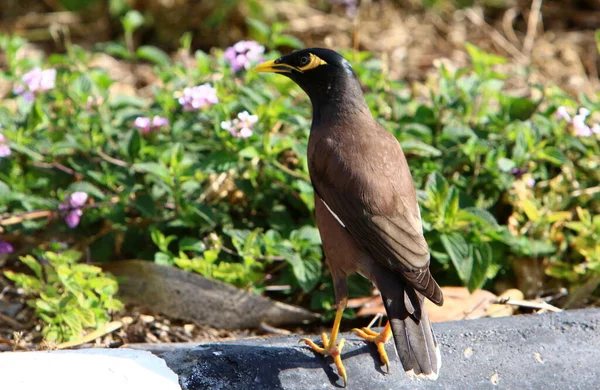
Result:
240,127
518,172
530,182
4,149
73,218
73,204
146,125
561,113
243,54
195,98
5,248
34,81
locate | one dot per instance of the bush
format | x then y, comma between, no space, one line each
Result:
68,297
211,169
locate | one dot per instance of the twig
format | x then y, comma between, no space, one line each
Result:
16,325
530,304
13,344
271,329
532,24
112,160
495,35
473,308
290,172
377,316
586,191
214,186
20,217
507,25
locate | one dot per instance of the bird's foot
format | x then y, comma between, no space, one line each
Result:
379,339
330,349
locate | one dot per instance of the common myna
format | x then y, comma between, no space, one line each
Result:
366,210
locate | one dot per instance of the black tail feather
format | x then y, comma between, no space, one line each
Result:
414,339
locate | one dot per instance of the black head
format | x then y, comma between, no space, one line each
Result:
319,72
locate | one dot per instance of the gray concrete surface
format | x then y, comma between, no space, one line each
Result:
547,351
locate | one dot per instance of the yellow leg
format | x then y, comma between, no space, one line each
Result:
330,346
379,339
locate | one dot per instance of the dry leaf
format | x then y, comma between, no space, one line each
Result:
459,304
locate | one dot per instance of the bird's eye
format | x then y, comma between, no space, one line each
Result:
304,60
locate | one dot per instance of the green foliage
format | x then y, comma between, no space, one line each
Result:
240,210
67,296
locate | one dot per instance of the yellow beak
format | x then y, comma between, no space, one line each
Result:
272,67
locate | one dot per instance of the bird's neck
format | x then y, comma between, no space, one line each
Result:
339,102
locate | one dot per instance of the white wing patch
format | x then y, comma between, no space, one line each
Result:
332,213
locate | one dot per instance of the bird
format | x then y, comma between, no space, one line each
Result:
366,210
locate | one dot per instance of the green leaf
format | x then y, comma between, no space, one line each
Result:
249,152
192,244
458,249
161,258
35,266
505,164
134,145
450,206
482,215
308,234
288,40
258,30
43,305
436,189
307,272
153,54
554,156
74,322
159,170
420,148
521,109
481,256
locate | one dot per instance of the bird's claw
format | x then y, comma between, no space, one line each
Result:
379,339
330,349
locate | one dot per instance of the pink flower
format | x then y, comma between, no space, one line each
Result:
159,121
35,81
580,129
530,182
195,98
72,205
78,199
243,54
240,127
4,149
5,248
146,125
596,129
561,113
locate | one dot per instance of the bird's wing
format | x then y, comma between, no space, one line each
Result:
374,199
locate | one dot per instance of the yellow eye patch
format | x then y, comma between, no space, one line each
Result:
313,63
